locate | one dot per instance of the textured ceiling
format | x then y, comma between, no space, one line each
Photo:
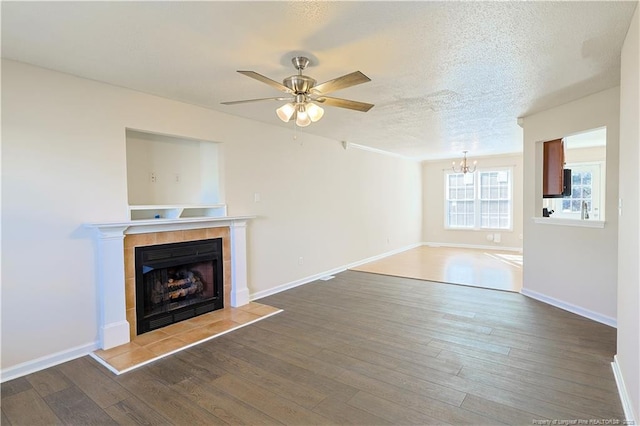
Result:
446,76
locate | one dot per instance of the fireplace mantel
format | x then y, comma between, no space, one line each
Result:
114,327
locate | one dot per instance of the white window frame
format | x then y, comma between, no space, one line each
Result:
597,210
477,223
448,201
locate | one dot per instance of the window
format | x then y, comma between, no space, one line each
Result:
585,187
461,200
480,200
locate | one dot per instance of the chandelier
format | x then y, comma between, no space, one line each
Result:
301,110
463,167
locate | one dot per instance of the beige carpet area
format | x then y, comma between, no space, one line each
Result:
493,269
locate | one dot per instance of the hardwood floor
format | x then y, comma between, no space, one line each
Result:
358,349
494,269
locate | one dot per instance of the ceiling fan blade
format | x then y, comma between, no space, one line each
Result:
267,80
344,103
257,100
343,82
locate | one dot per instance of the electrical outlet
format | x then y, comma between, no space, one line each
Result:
152,177
300,260
177,178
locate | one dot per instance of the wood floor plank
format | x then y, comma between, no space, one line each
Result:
416,369
276,358
299,393
277,339
600,369
93,382
392,412
340,412
48,381
553,383
226,408
132,411
533,367
268,402
28,408
15,386
4,420
74,407
196,367
389,344
396,394
579,404
503,413
423,387
424,335
495,364
181,367
159,396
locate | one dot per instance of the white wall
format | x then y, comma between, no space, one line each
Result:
628,355
433,208
585,155
572,265
64,164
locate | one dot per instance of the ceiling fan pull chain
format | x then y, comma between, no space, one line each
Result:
295,130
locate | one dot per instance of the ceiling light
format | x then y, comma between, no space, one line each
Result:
302,118
315,112
303,112
286,111
464,168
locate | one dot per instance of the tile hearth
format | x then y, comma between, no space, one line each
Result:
159,343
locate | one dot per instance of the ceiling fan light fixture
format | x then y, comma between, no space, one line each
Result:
286,111
315,112
302,118
302,89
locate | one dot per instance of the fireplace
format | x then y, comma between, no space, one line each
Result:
116,285
177,281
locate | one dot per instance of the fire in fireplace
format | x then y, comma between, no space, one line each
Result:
177,281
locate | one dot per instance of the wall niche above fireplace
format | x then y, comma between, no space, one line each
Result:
170,177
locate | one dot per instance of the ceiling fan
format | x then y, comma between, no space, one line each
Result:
305,94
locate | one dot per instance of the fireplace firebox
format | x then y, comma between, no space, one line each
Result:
177,281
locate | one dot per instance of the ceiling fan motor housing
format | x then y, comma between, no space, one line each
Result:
299,84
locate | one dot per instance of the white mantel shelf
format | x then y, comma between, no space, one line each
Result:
114,327
145,226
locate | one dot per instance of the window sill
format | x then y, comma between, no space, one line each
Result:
569,222
480,229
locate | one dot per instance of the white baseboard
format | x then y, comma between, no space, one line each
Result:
311,278
603,319
622,390
46,362
473,246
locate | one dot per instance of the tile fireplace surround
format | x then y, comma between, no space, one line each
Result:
116,282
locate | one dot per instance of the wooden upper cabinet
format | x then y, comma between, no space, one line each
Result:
553,166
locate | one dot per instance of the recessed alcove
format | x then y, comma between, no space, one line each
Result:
170,177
